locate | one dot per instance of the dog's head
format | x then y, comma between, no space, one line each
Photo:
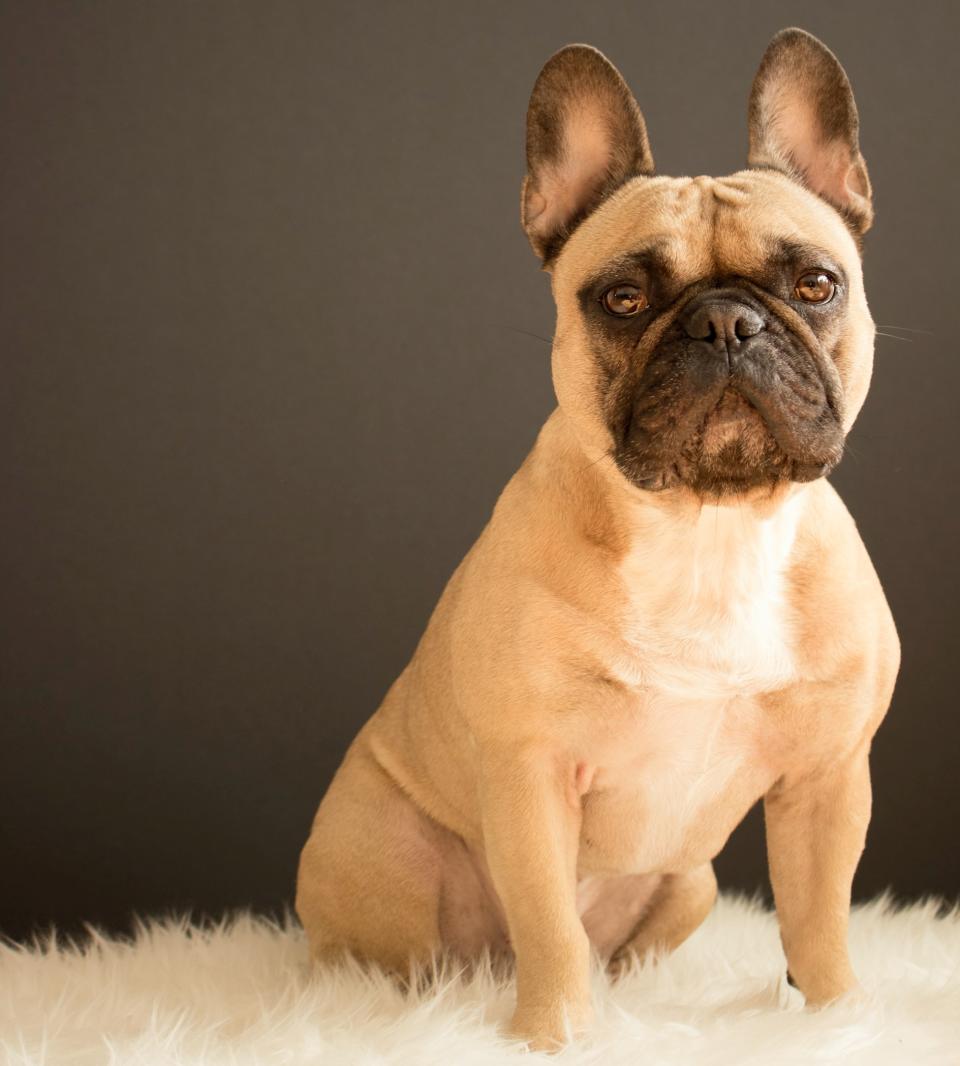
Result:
712,333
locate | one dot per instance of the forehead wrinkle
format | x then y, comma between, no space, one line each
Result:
653,254
707,207
643,212
806,255
745,244
685,213
766,201
728,192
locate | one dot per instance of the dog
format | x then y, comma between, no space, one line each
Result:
670,614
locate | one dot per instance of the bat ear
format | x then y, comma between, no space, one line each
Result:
585,138
803,120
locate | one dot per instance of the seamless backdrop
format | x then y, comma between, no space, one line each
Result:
272,341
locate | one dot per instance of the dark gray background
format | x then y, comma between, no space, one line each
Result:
264,372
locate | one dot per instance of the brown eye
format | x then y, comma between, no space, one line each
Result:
815,287
624,300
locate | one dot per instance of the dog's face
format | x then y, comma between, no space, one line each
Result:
712,333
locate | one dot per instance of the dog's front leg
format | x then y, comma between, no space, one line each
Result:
816,828
531,826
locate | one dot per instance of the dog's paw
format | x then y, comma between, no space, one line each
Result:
550,1028
825,993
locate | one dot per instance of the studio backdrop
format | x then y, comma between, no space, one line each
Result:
272,341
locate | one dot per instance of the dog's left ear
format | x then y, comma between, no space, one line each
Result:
803,120
585,138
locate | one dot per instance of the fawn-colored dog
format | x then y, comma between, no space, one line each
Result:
670,613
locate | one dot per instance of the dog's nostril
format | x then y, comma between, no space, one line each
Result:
700,325
723,320
748,324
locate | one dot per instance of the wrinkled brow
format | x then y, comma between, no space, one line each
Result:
650,259
799,255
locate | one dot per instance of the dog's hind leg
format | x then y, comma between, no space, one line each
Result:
370,874
679,905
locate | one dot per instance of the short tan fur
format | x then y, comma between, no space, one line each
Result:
615,674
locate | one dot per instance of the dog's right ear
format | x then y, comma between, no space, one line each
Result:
585,138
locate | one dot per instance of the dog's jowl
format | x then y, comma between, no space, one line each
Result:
670,613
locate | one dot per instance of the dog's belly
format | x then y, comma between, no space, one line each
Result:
675,788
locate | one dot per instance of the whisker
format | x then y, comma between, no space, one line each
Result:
848,449
894,337
906,329
527,333
606,455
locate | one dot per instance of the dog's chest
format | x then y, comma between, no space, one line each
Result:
707,630
706,612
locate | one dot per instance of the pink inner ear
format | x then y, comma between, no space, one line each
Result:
794,135
567,186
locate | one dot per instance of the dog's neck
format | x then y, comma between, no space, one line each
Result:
697,590
714,557
703,545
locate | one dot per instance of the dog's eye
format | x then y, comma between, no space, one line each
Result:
624,300
815,287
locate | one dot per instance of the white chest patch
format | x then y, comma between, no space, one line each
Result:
707,618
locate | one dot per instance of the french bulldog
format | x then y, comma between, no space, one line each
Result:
670,613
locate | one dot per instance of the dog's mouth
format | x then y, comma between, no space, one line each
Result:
731,446
733,449
734,418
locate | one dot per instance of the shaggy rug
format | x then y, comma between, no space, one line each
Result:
240,993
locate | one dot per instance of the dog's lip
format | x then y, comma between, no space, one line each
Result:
732,416
732,406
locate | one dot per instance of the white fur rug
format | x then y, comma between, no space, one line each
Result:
239,993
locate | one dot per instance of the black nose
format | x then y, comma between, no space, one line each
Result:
721,320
